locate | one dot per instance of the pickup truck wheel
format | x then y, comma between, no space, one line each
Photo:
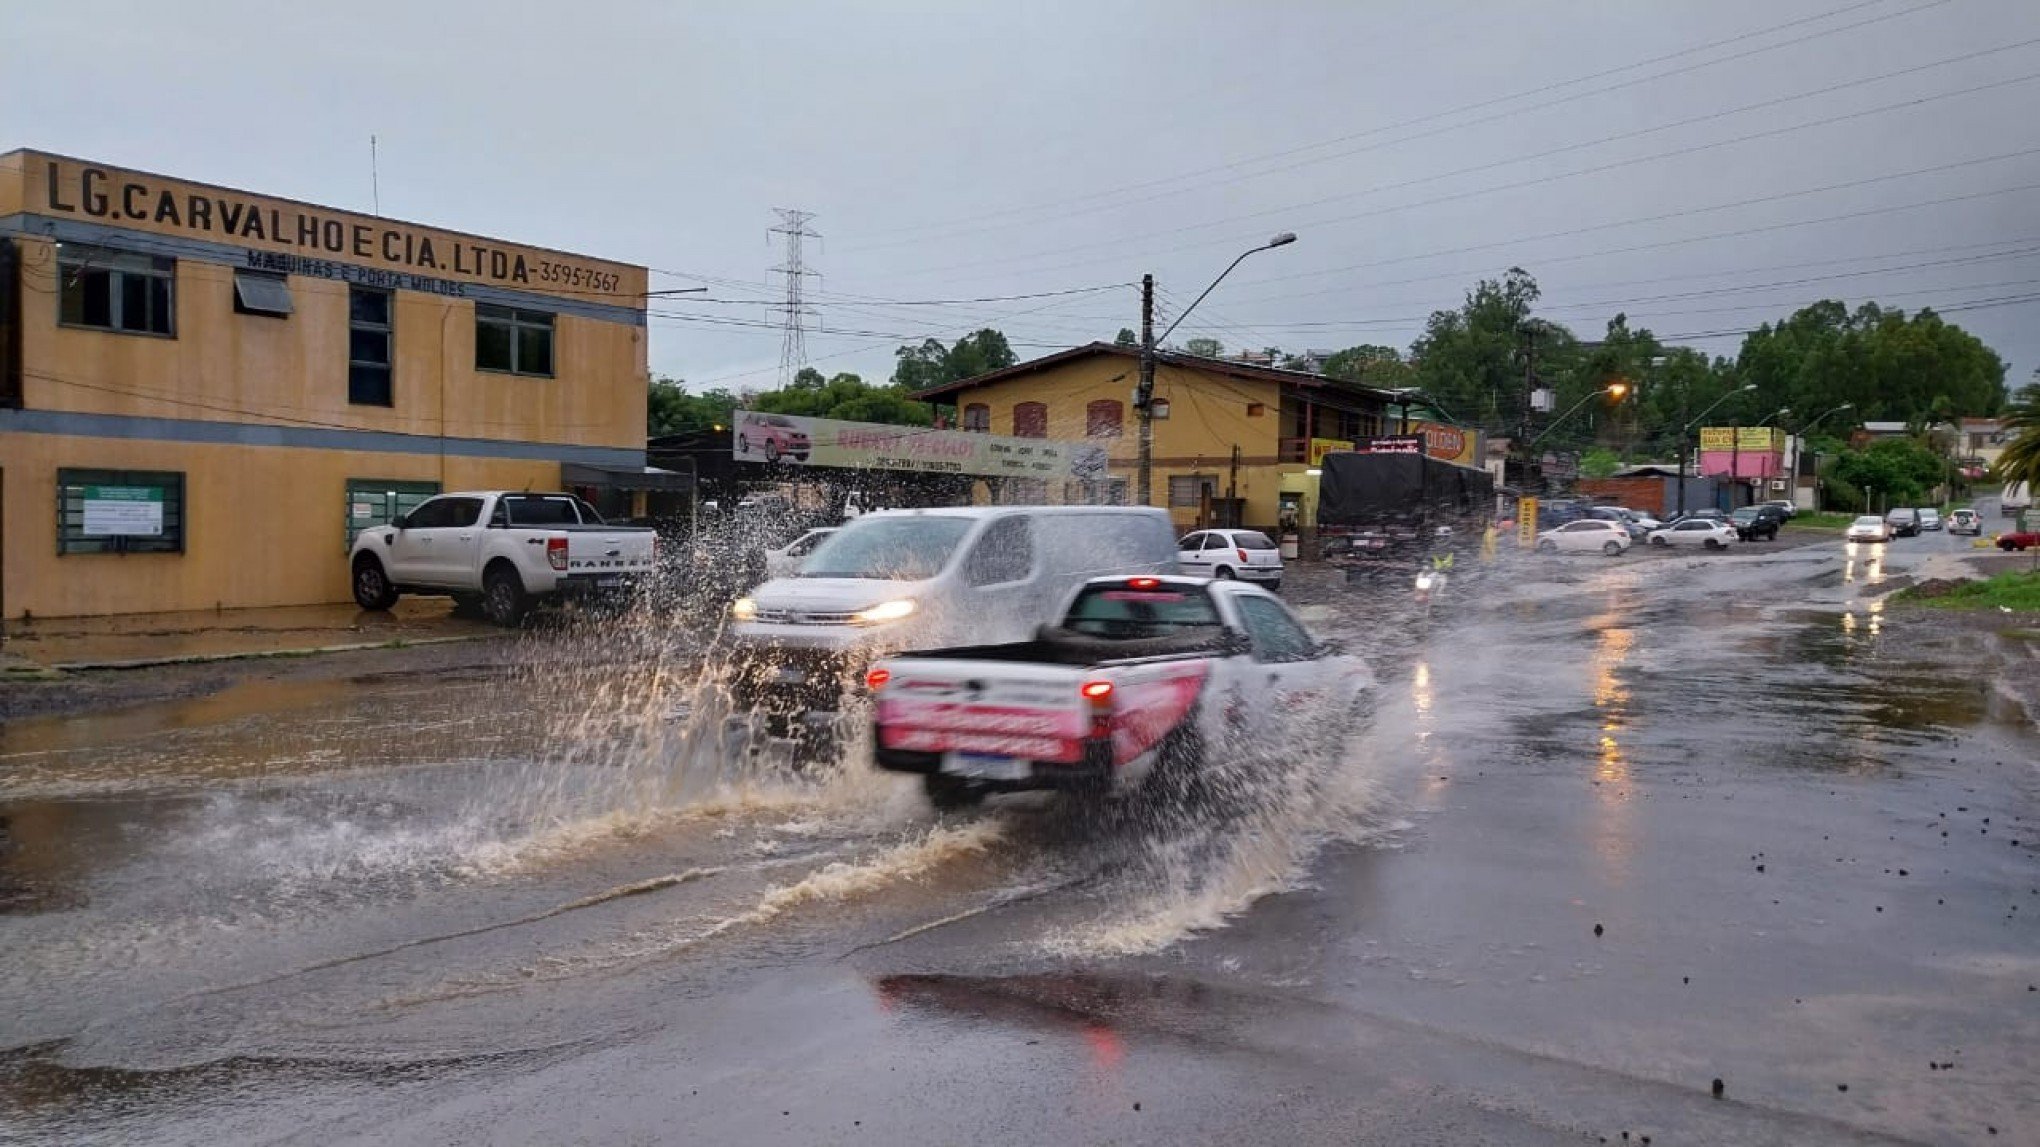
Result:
503,597
372,588
950,794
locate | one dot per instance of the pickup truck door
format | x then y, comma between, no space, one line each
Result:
1290,669
430,550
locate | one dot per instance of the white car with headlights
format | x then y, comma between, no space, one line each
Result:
902,580
786,560
1709,532
1868,528
1586,536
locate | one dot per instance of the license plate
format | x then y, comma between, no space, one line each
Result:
788,676
608,583
985,767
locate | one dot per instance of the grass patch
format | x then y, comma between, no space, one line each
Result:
2014,591
1806,520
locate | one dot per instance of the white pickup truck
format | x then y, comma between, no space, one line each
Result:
504,550
1143,679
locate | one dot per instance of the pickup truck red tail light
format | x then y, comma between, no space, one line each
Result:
875,678
556,553
1098,693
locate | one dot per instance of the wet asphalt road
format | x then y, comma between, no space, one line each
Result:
1617,830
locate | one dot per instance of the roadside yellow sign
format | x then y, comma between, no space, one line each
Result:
1526,522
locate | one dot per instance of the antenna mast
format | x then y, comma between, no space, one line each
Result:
794,312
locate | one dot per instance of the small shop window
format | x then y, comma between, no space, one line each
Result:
373,502
1188,491
101,288
513,340
1030,420
977,418
262,293
120,512
371,336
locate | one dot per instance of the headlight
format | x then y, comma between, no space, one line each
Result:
885,611
744,609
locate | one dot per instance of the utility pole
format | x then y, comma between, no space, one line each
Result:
1144,393
793,225
1529,352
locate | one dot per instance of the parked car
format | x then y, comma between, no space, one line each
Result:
785,561
774,435
1785,506
1930,518
2025,541
1647,521
1139,684
1693,531
1868,528
1965,521
1620,517
504,550
900,580
1588,535
1757,523
1708,515
1904,522
1247,555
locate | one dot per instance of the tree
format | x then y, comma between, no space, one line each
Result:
670,409
845,396
1900,469
1470,358
1126,338
1371,365
2021,460
1600,462
931,364
1204,348
1890,367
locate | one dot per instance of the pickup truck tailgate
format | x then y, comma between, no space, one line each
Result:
1035,712
599,551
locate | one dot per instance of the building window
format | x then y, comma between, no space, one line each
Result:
371,337
1030,420
120,512
373,502
977,418
1109,492
108,290
1188,491
262,293
1104,418
1256,409
513,340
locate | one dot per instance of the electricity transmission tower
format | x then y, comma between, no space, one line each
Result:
794,311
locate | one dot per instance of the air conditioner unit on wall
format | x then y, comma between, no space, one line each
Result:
1778,485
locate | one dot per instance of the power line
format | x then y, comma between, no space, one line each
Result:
1060,206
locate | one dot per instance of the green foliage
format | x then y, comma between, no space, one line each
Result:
1470,359
931,364
2016,590
1901,470
2021,460
1600,463
1892,368
670,409
845,396
1204,348
1126,338
1371,365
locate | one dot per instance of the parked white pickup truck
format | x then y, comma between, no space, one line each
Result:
1144,679
504,550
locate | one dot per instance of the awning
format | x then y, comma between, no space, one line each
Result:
625,477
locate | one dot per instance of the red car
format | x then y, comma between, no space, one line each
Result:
2009,542
775,435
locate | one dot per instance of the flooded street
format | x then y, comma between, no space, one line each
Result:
1617,830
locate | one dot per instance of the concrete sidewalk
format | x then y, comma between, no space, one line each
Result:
134,641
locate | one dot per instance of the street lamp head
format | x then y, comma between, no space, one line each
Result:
1748,386
1283,240
1617,389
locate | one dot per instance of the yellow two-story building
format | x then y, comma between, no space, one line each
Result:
205,394
1233,443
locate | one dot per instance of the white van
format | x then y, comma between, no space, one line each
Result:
900,580
2017,498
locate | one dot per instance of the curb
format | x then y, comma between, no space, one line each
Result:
257,655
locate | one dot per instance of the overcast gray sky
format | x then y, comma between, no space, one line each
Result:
970,150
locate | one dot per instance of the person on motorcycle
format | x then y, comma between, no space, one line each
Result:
1441,563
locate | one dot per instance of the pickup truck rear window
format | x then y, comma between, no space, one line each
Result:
1127,614
538,510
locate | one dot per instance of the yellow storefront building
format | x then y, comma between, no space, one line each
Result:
205,394
1234,443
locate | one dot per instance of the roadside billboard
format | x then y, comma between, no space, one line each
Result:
1319,447
1750,439
792,439
1449,443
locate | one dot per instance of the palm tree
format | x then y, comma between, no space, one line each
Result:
2021,419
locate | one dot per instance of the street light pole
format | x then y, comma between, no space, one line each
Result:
1144,393
1686,436
1618,389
